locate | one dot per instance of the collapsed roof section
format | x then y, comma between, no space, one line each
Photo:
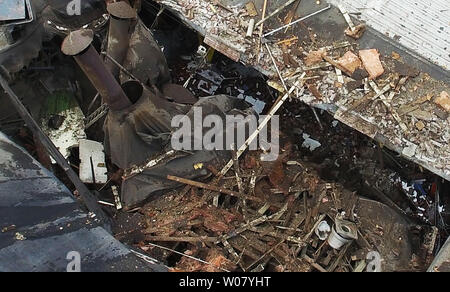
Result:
42,223
402,109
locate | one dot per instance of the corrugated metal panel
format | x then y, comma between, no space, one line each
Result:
422,26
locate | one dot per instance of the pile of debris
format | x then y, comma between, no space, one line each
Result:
250,214
275,216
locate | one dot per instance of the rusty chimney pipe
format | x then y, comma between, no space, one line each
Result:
78,45
120,23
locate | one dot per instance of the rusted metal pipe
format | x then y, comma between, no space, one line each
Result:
120,23
78,45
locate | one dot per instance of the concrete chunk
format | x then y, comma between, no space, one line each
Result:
443,100
350,61
371,61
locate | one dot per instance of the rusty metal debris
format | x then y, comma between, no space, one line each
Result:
284,238
78,45
277,11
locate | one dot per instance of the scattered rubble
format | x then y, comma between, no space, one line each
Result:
443,100
278,233
314,58
350,62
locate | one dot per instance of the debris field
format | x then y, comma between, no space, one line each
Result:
361,183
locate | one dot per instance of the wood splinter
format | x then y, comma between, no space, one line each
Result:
212,188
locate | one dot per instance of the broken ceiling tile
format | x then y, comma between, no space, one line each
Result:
410,150
93,165
371,61
443,100
350,61
310,143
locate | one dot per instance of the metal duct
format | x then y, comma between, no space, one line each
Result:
78,45
122,19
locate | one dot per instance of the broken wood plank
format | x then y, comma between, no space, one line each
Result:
265,255
297,21
291,14
367,98
245,227
314,264
231,251
181,239
278,10
335,264
212,188
185,255
258,47
135,170
284,237
388,105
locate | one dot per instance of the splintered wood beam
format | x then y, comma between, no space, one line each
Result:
278,10
213,188
180,239
261,29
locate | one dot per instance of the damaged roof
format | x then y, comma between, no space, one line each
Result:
417,129
41,222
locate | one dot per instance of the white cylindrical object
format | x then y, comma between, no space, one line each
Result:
251,27
322,230
335,240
